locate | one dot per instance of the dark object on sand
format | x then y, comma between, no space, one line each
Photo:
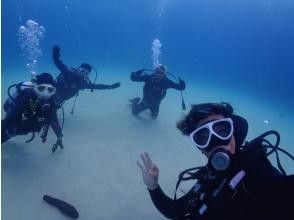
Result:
64,207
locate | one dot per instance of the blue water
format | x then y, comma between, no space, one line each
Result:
235,45
245,44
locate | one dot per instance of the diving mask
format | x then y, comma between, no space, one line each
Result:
222,129
45,90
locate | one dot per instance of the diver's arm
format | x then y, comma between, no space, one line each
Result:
269,185
58,63
102,86
278,189
13,121
138,77
55,125
178,86
19,104
168,207
14,117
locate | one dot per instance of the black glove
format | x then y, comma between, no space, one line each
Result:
182,84
57,144
115,85
56,51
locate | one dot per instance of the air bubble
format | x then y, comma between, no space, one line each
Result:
156,45
29,37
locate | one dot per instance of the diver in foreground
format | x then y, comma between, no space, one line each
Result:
238,182
154,90
32,109
71,80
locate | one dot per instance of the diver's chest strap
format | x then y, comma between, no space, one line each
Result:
233,183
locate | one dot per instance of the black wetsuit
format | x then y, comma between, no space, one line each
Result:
154,92
263,194
69,83
29,114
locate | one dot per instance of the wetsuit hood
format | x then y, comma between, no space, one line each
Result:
240,129
44,78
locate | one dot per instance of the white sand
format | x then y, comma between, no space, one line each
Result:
97,171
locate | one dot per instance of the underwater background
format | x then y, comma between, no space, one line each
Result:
237,51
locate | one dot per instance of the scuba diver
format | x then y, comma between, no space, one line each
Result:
30,109
154,90
71,80
238,182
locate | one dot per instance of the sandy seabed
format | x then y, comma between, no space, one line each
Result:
97,171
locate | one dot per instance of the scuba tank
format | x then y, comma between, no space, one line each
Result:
19,87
